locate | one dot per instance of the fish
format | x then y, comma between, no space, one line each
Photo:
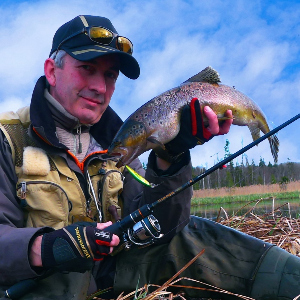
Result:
157,121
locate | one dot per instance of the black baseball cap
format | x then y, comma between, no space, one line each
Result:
82,48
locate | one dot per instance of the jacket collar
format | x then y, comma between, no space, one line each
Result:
43,123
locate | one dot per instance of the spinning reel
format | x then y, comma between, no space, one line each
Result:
143,233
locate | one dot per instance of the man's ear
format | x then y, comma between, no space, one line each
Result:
49,69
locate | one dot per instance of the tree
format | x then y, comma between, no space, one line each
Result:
261,162
262,165
226,148
273,179
229,180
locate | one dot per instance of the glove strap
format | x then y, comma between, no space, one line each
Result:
198,128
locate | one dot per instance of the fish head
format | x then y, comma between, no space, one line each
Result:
129,142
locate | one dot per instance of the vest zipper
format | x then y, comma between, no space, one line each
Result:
23,187
78,131
23,190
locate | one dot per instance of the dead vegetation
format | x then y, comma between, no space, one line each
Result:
272,227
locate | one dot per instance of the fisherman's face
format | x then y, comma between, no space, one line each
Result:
84,89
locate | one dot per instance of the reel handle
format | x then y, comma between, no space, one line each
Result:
127,222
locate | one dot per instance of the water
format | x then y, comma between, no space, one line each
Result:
289,208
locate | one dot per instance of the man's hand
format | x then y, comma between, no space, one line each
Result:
187,139
73,248
213,126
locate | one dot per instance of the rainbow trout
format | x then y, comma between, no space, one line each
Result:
158,121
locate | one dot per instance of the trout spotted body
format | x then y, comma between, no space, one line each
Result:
158,121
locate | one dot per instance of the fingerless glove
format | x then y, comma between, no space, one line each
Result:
74,248
192,132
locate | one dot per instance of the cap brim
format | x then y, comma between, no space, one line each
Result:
128,64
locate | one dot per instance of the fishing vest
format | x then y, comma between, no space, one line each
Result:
49,191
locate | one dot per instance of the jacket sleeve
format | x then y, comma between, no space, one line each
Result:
14,239
174,213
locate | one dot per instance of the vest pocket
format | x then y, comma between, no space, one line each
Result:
45,202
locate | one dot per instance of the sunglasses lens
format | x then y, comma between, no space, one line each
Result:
101,35
124,45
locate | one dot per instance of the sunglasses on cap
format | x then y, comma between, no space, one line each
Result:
103,36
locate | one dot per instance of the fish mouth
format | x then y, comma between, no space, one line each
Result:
122,152
118,152
127,155
120,163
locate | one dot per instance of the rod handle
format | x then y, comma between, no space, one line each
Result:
20,289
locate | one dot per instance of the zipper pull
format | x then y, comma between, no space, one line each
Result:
23,190
80,144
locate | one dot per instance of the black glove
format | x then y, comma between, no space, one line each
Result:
192,132
74,248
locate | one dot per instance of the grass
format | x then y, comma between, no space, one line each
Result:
243,198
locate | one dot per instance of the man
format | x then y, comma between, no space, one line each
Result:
53,165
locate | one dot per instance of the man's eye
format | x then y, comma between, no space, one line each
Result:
86,67
112,75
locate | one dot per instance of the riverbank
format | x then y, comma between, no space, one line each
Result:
245,194
271,228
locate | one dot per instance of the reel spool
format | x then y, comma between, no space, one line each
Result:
145,231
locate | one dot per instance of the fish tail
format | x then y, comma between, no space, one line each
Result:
274,145
255,131
273,140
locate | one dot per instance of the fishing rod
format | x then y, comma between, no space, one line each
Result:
147,209
141,226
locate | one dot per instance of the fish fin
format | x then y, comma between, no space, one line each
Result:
208,75
153,140
274,145
223,118
255,131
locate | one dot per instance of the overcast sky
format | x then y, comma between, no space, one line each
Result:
254,45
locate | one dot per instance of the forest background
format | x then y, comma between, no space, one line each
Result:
233,178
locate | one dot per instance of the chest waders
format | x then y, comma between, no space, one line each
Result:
232,261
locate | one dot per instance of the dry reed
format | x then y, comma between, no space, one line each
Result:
271,227
248,190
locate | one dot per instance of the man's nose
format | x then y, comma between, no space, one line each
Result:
98,84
